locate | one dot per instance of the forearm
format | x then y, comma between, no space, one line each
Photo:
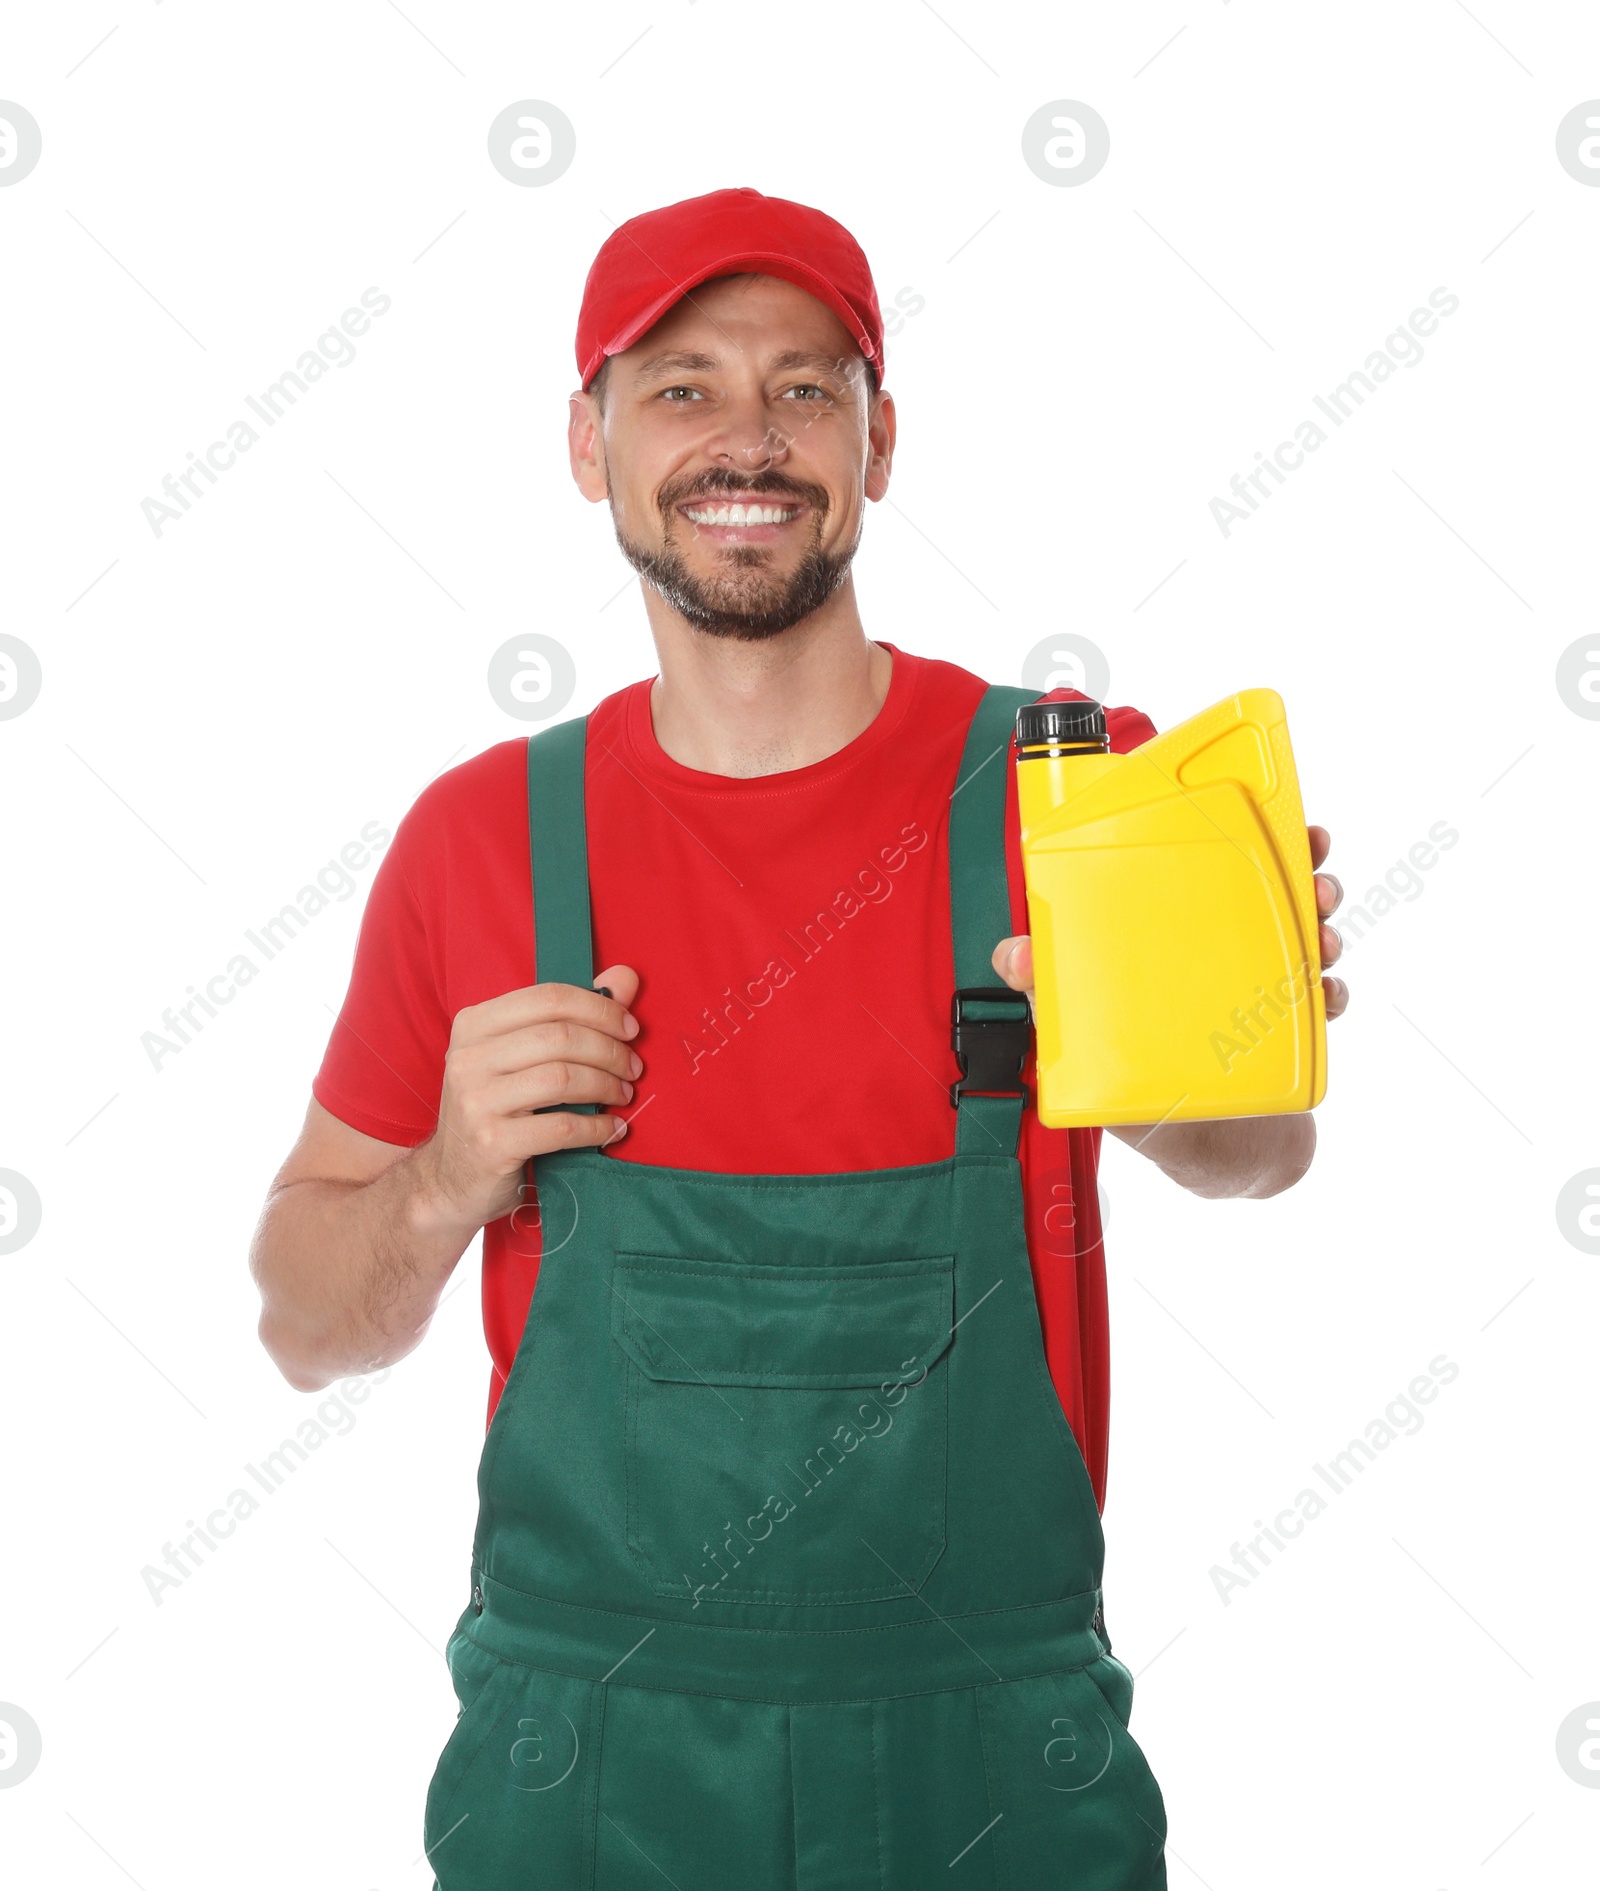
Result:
1251,1156
351,1272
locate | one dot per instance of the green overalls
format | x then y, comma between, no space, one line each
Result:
787,1568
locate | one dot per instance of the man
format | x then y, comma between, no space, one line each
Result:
787,1570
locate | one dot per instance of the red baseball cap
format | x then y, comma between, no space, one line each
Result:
652,260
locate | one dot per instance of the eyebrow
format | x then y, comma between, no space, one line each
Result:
692,361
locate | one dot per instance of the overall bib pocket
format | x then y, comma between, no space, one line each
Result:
785,1425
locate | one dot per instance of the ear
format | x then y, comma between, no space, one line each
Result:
880,445
586,447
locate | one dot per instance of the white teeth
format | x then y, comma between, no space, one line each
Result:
741,515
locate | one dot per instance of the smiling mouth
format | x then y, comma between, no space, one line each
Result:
743,521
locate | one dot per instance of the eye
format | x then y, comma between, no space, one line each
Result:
669,391
810,387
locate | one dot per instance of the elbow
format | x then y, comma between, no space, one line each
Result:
1240,1158
302,1337
311,1359
282,1327
1289,1158
299,1363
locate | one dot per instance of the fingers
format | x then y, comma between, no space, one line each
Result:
480,1149
506,1142
1330,891
548,1003
561,1129
551,1085
559,1041
494,1126
542,1048
1012,960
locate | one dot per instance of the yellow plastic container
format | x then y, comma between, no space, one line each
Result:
1177,973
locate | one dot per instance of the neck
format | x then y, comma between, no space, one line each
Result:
731,708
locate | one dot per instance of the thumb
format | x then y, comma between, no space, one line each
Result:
1013,961
622,981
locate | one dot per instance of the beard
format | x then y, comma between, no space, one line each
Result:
746,599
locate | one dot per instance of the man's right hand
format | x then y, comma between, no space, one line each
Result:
359,1236
531,1050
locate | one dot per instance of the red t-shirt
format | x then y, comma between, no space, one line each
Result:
792,938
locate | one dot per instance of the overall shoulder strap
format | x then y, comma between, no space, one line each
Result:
990,1019
990,1024
558,842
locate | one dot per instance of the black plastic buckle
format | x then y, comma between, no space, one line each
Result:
990,1051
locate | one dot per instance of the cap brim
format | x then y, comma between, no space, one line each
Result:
763,262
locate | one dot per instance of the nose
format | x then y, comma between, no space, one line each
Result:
747,439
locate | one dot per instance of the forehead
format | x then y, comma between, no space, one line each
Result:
731,319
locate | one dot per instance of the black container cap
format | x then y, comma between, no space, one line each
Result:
1072,722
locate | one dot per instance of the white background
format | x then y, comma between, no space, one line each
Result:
225,706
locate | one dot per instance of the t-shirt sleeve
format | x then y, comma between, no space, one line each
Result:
383,1069
1127,728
